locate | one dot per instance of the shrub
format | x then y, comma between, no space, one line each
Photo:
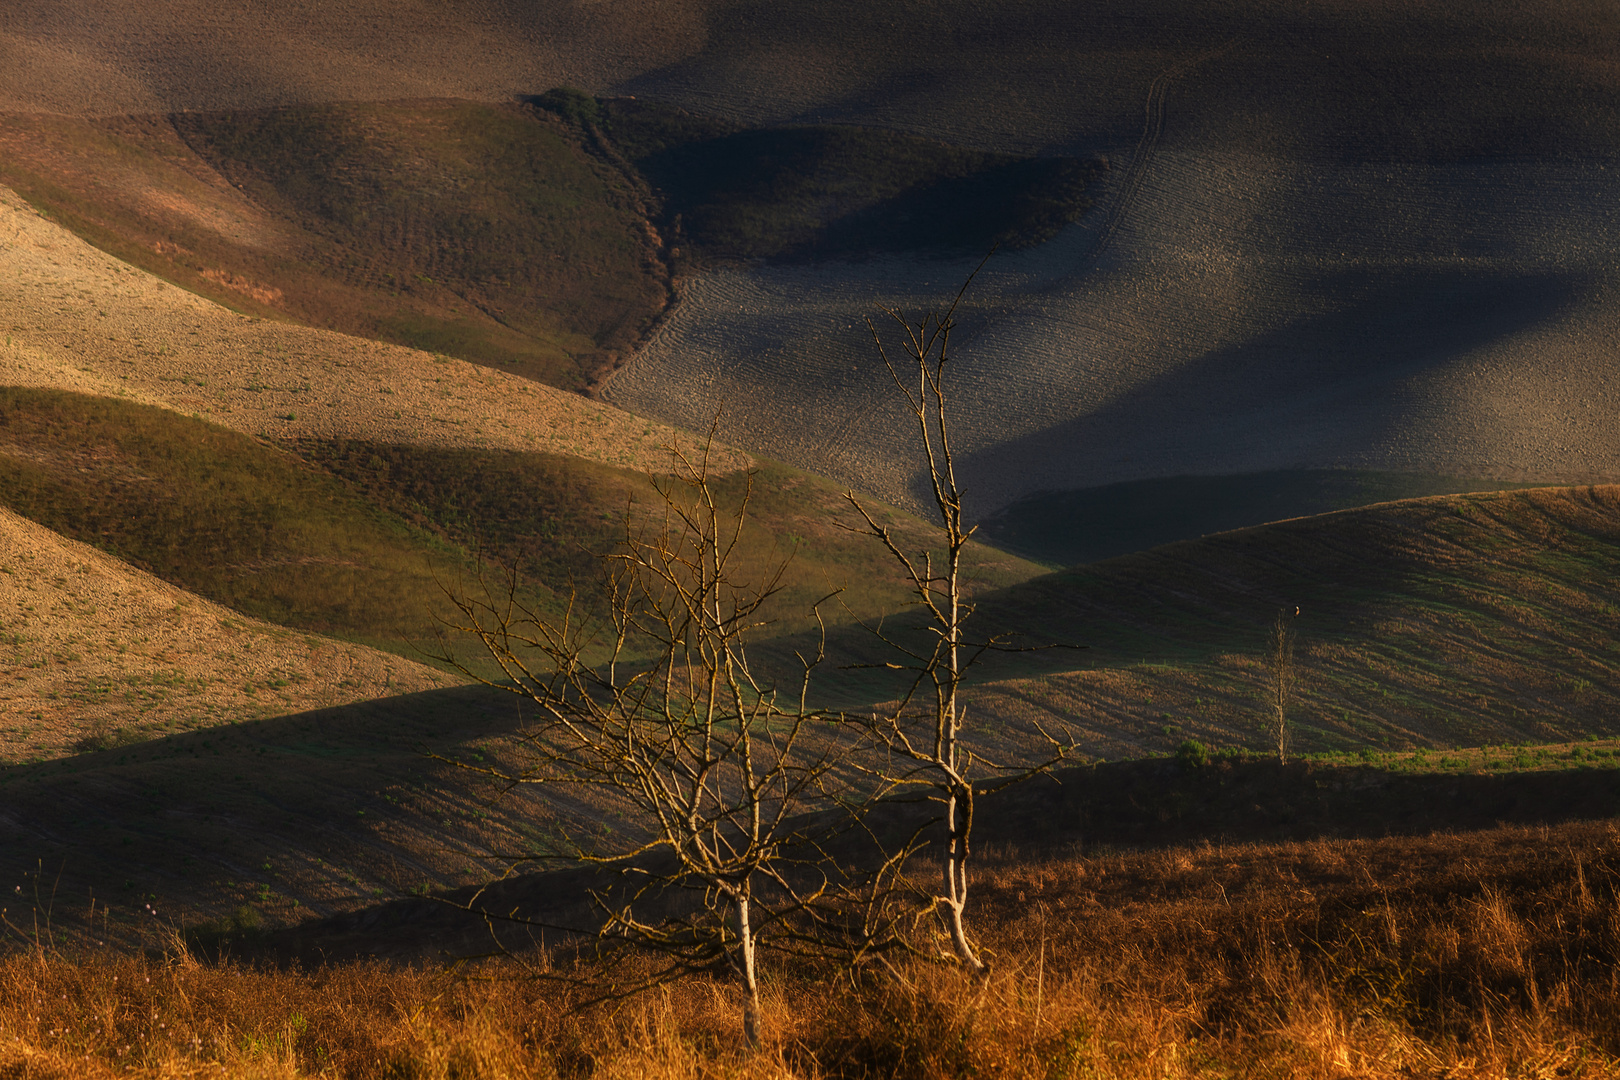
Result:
1192,755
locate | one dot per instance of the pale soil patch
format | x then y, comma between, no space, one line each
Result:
95,653
75,318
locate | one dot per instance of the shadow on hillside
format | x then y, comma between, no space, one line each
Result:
1083,812
378,724
1424,81
1164,803
1303,390
1066,528
311,812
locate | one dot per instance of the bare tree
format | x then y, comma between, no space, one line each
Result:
1281,680
920,738
658,708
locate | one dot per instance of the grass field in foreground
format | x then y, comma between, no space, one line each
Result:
1483,954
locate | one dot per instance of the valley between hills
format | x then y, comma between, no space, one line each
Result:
321,319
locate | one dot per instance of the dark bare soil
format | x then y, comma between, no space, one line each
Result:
1426,81
1067,527
800,194
1486,621
1091,817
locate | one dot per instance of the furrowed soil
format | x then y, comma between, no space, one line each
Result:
1067,527
1442,622
1246,314
1370,237
1031,76
541,239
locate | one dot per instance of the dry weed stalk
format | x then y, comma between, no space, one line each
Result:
1467,955
1282,680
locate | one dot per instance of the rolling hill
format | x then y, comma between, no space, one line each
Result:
100,655
310,309
1430,628
81,320
1447,621
1352,237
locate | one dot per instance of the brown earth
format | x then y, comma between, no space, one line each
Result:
1418,78
75,318
1248,314
1440,622
1440,625
95,654
491,232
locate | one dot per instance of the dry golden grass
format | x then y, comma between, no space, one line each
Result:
1488,954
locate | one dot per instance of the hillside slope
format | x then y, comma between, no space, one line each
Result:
97,654
1027,75
1436,626
76,318
1439,622
489,232
1215,314
1350,236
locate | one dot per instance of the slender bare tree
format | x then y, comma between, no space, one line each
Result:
717,771
1282,680
919,739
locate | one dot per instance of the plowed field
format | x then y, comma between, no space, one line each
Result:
1246,314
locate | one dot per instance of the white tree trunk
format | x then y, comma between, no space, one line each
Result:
954,902
752,1019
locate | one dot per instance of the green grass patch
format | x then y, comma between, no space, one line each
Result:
354,539
223,515
551,517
